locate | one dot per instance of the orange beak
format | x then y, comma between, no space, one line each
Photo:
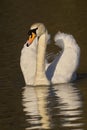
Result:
31,38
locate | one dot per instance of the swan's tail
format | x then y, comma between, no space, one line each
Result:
64,40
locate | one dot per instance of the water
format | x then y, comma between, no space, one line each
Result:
55,107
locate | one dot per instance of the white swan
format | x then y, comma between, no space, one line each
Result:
35,68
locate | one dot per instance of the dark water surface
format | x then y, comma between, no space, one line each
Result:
56,107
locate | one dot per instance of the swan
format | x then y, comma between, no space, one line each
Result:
35,68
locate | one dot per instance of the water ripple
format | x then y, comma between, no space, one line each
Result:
58,106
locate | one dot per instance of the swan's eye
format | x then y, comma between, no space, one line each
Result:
32,31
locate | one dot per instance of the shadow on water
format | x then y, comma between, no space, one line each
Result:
55,107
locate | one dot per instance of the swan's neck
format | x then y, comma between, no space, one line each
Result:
40,76
41,55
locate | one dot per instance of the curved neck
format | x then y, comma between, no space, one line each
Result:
41,49
40,76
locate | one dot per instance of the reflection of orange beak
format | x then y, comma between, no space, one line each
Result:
31,38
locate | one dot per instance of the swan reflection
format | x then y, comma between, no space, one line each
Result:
58,106
34,102
70,106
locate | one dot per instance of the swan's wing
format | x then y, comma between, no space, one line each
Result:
62,69
51,67
50,57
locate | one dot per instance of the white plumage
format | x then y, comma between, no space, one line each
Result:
37,71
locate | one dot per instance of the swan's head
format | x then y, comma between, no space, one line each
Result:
36,30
